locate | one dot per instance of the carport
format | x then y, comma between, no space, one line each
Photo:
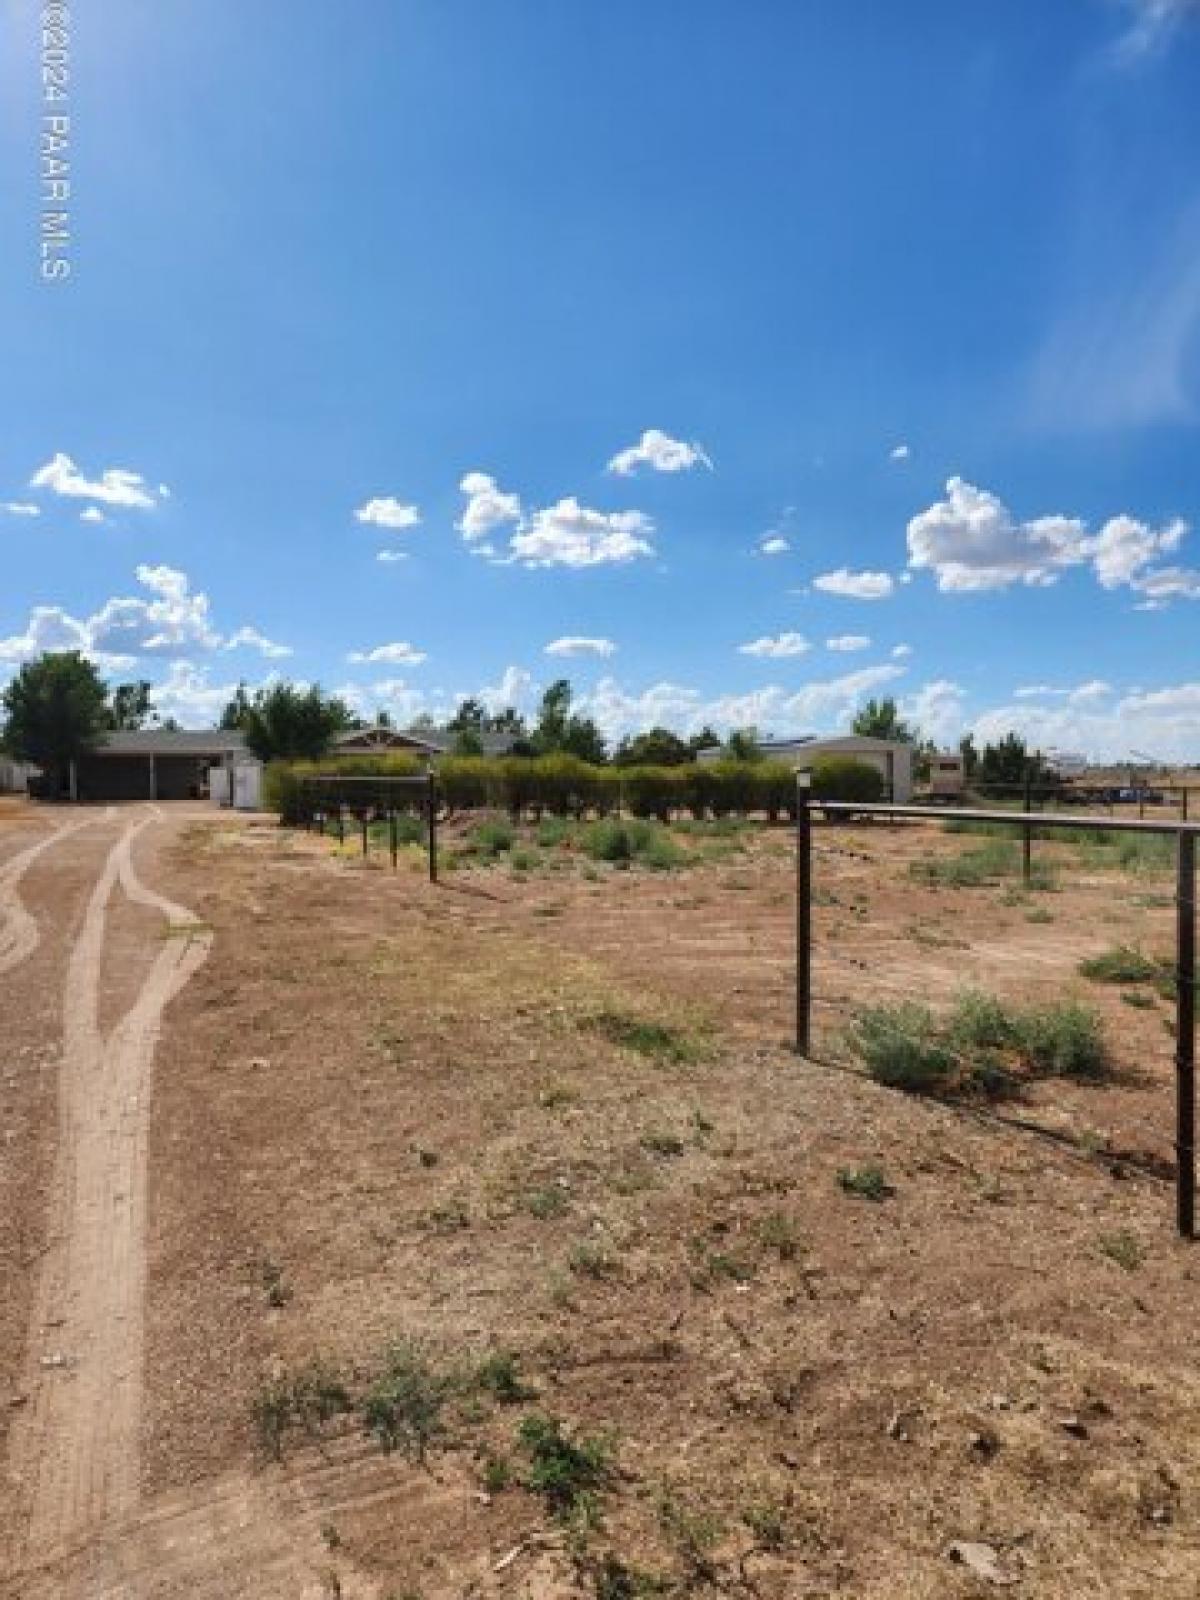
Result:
154,764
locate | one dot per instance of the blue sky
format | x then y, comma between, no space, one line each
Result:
789,352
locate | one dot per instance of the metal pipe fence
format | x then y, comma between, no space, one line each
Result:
1028,821
325,798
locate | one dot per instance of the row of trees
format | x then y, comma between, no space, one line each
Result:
58,708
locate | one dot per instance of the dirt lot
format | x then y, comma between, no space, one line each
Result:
809,1335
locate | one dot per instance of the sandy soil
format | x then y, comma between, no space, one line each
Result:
554,1114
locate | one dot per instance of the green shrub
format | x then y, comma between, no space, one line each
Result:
568,1473
404,1406
493,837
845,778
869,1182
900,1048
1064,1040
1120,964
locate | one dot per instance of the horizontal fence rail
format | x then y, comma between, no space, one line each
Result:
1026,823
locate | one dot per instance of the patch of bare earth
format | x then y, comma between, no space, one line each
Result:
556,1115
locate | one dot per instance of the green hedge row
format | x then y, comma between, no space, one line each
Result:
564,786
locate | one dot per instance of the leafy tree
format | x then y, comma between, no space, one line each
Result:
237,711
55,710
467,742
657,747
422,723
706,739
970,756
558,730
881,719
383,719
509,720
130,706
1009,761
471,714
286,722
742,745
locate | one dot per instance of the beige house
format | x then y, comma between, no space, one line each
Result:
893,760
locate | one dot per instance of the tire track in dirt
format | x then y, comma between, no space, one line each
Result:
19,934
76,1450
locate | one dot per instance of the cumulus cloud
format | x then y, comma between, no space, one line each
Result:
848,642
659,452
855,585
571,535
773,545
391,555
92,514
488,507
1164,721
385,511
399,654
252,639
900,452
396,696
515,688
577,645
776,647
21,508
829,702
901,651
169,618
936,708
114,487
972,541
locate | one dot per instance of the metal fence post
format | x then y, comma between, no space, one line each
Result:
1027,832
1185,1034
803,913
431,803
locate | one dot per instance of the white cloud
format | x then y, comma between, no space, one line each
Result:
168,619
576,645
385,511
658,451
900,452
391,555
826,703
901,651
773,545
187,695
1124,546
399,654
571,535
1165,722
488,507
937,710
252,639
516,688
114,487
92,514
776,648
849,641
1081,694
972,541
1152,26
394,695
855,585
21,508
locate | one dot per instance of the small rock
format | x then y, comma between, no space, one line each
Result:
1000,1402
54,1359
983,1442
981,1561
1075,1426
897,1426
